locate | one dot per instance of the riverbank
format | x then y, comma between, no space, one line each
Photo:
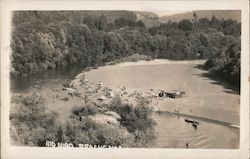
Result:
203,98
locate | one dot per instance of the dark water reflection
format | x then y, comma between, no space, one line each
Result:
23,84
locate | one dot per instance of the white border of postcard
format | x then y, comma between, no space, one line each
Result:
12,152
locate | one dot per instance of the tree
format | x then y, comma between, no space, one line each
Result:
215,23
140,24
96,22
231,27
203,23
41,40
195,18
30,124
186,25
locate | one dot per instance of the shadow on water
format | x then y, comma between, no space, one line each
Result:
22,84
217,80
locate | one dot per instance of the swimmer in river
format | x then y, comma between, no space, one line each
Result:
194,125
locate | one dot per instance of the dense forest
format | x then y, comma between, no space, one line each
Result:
42,40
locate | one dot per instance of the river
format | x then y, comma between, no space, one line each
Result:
60,74
203,99
173,132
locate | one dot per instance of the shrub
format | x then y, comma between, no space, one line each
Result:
86,131
30,124
86,110
135,129
136,57
136,119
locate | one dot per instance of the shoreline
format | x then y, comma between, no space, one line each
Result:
170,105
54,92
131,64
213,121
150,62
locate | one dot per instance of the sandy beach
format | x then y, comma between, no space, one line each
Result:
204,96
204,99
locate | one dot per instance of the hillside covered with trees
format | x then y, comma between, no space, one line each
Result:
220,14
43,40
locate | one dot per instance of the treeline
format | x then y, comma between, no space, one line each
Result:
43,40
226,65
216,40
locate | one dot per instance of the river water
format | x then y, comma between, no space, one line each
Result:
172,131
61,74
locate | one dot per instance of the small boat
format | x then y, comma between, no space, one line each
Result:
191,121
194,123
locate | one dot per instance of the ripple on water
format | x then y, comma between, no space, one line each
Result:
174,132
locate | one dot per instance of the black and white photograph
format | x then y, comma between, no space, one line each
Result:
126,78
